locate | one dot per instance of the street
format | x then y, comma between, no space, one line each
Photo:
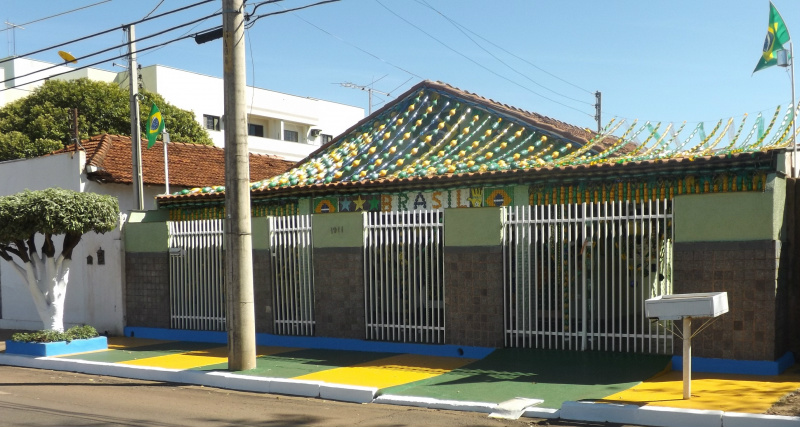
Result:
33,397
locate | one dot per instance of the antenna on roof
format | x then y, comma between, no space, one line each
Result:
12,42
369,89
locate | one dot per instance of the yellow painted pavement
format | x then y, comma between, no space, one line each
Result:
723,392
390,371
198,358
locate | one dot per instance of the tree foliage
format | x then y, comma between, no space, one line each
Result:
54,211
41,122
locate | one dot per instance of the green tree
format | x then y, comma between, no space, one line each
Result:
41,122
50,213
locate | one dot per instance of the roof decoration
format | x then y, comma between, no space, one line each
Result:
434,130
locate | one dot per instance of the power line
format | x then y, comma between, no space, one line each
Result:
479,64
157,46
459,28
358,48
58,14
108,30
510,53
256,18
114,47
155,8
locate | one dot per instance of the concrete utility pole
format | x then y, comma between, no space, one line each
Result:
136,133
239,246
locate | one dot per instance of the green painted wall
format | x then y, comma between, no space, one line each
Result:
146,237
731,216
338,230
259,229
473,227
521,195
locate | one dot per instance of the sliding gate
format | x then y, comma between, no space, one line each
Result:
404,276
196,275
577,275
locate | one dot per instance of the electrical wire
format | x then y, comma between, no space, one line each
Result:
358,48
261,4
154,9
106,31
99,62
256,18
58,14
459,28
481,65
114,47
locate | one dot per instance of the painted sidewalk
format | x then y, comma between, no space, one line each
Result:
554,376
562,379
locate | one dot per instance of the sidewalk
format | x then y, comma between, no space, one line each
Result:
586,386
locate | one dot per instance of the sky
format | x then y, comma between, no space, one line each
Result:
660,61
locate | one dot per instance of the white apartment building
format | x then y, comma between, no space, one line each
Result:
279,124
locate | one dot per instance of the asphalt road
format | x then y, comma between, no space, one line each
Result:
34,397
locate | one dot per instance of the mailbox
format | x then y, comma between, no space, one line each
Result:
678,306
687,306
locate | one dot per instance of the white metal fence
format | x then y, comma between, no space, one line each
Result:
404,276
293,274
577,275
196,275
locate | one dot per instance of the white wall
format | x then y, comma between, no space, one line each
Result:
94,292
204,95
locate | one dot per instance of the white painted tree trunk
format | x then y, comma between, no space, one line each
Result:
47,280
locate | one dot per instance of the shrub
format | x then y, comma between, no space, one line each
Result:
73,333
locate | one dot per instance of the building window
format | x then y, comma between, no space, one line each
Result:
291,135
212,122
255,130
325,138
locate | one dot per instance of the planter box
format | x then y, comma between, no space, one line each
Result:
56,348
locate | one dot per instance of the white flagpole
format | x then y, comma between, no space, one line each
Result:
794,113
165,135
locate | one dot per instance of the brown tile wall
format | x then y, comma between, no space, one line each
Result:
262,291
147,289
339,292
755,328
474,296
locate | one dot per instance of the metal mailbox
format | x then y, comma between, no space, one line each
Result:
679,306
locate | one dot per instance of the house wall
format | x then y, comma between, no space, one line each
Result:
737,243
94,293
733,242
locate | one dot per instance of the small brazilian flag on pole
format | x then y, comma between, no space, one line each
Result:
777,36
155,125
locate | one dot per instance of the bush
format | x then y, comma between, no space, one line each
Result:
73,333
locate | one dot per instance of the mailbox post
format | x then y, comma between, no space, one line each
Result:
687,306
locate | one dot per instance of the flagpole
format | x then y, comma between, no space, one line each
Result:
165,135
794,113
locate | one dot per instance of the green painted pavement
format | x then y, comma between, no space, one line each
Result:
302,362
555,376
143,352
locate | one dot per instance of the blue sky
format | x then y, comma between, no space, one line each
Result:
662,61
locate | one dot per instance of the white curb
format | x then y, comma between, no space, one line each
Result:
735,419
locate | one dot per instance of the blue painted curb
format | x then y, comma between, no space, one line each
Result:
730,366
444,350
58,348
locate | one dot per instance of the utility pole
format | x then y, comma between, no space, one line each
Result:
136,135
597,111
240,309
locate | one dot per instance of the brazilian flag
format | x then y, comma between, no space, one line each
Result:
155,125
777,36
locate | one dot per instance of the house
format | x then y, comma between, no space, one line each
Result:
279,124
103,165
448,218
